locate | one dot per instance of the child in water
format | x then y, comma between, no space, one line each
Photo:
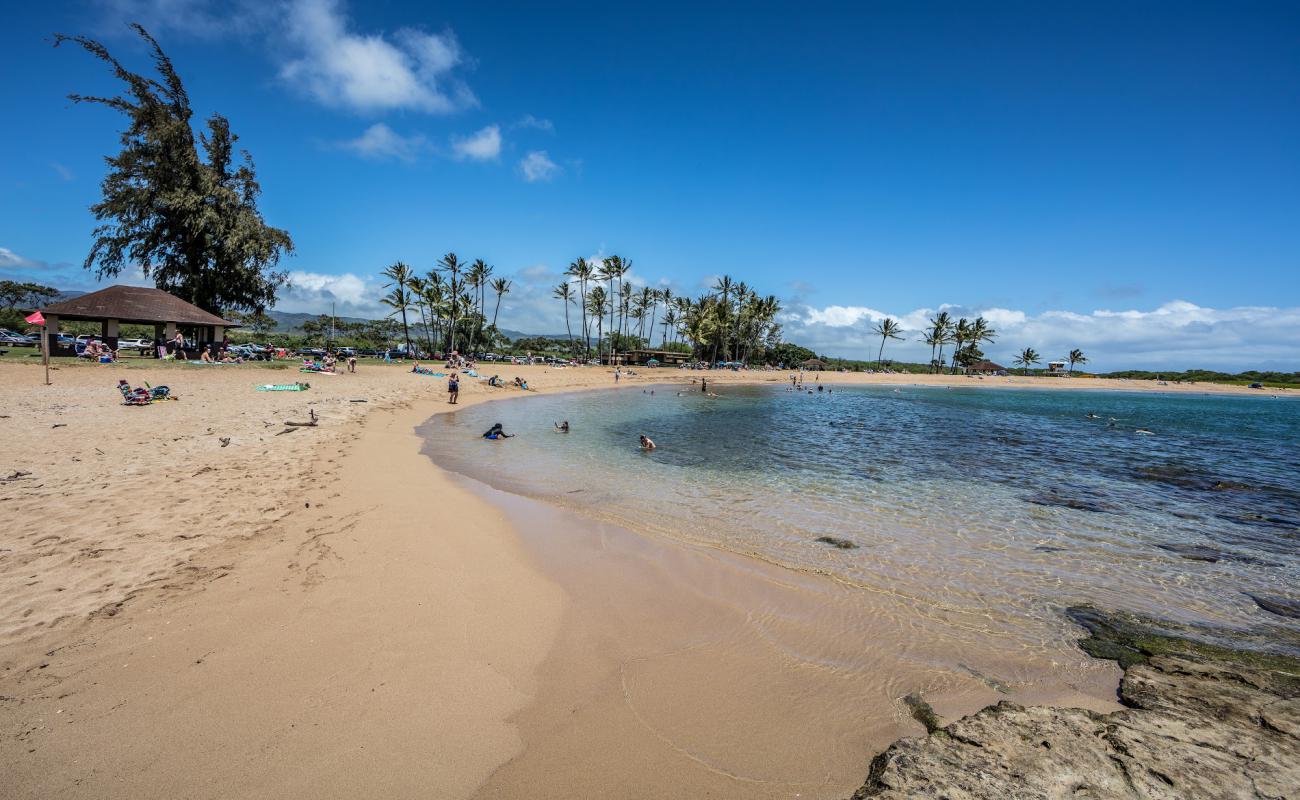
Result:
496,432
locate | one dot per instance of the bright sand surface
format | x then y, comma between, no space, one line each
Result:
327,614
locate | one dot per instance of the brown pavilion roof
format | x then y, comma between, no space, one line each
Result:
986,366
135,304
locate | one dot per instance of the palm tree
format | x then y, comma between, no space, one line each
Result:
477,278
596,305
981,331
582,271
960,336
886,329
451,264
435,299
940,334
502,287
724,287
666,295
563,292
418,287
668,323
1027,359
1076,357
400,298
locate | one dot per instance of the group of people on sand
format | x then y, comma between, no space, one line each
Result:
98,351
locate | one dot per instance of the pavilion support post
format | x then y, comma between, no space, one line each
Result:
51,333
111,333
157,339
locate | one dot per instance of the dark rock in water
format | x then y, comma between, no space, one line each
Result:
992,683
1276,604
843,544
1232,486
1199,552
1185,478
1193,552
923,713
1078,502
1200,721
1048,548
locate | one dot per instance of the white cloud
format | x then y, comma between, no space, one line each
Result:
537,166
482,146
11,260
313,292
368,72
203,19
1176,335
380,142
529,121
62,171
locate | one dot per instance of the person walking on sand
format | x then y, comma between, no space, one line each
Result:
453,388
704,385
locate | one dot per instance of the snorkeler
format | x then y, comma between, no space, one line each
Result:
562,427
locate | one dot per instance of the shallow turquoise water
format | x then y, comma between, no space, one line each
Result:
1001,505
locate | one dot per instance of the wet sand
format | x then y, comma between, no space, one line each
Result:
328,614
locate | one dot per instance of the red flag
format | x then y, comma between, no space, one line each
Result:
36,318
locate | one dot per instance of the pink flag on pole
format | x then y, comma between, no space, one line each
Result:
36,318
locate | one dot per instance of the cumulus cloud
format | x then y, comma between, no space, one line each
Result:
411,70
538,166
1176,335
313,292
381,142
482,146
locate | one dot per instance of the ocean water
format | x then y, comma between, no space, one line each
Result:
983,510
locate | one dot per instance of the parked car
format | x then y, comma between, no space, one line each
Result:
16,339
142,345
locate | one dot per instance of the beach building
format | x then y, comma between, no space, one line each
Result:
136,305
986,367
814,363
1056,369
660,358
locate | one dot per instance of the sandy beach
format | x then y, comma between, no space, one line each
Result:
195,603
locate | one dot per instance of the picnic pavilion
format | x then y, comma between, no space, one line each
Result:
137,305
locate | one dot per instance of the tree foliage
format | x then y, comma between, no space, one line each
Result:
190,222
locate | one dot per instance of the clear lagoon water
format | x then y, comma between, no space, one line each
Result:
987,508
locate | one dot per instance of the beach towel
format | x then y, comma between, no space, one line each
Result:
284,387
430,373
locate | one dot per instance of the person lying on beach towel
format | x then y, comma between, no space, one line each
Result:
496,432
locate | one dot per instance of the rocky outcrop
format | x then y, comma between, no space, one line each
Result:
1201,721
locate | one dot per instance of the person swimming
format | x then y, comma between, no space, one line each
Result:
562,427
497,432
1091,415
647,443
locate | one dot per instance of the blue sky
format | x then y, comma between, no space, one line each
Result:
1122,177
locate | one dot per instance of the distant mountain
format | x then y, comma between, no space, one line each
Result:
289,322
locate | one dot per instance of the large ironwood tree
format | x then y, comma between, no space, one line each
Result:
189,220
